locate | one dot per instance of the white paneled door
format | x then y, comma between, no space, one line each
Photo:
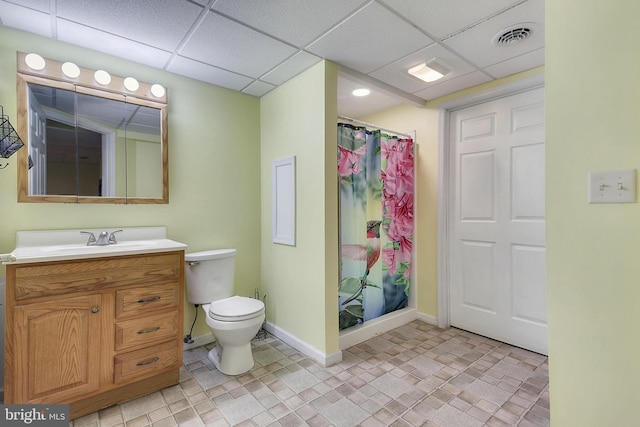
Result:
497,227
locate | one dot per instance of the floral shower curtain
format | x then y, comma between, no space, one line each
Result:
376,173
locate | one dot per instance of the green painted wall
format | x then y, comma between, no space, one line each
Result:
592,120
214,166
301,281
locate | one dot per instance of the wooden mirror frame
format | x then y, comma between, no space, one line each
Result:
51,75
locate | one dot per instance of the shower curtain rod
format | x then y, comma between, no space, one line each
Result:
349,119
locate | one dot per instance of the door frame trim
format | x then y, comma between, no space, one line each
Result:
444,189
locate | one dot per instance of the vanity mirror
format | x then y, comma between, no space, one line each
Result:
91,137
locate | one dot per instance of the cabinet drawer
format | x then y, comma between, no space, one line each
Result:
136,301
62,277
146,362
132,333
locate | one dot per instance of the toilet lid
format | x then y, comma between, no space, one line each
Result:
235,308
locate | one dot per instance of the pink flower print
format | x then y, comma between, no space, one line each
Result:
349,161
393,257
389,259
400,212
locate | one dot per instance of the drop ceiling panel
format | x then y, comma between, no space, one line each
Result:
442,18
258,88
207,73
41,5
353,106
158,23
370,39
396,73
455,85
297,22
255,45
234,47
25,19
290,68
476,44
519,63
100,41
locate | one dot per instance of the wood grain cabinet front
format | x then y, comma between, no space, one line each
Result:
113,333
58,350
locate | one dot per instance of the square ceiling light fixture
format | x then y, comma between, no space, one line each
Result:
429,71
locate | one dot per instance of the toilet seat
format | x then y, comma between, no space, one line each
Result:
235,309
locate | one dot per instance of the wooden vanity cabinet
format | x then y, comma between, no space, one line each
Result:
93,332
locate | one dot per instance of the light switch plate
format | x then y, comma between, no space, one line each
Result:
618,186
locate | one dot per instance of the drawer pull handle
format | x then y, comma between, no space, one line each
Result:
140,332
148,362
95,309
146,300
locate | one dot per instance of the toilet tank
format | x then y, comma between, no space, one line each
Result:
209,275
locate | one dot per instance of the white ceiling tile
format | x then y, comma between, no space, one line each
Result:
258,88
207,73
442,18
455,85
354,106
158,23
100,41
519,63
296,22
290,68
234,47
255,45
41,5
25,19
396,74
476,44
370,39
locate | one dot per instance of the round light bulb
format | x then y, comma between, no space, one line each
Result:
102,77
35,61
70,70
157,90
131,84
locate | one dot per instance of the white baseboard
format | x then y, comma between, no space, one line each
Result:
427,318
348,338
304,348
369,329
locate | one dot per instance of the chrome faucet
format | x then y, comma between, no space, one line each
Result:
105,238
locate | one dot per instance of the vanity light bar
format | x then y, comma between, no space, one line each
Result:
36,65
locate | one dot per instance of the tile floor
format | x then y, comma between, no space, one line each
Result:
415,375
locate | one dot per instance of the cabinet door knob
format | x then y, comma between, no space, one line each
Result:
95,309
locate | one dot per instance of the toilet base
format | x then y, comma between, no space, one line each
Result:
237,360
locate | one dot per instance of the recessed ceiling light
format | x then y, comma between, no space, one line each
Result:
361,92
35,61
70,70
131,84
430,71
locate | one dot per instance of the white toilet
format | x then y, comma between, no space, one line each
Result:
234,320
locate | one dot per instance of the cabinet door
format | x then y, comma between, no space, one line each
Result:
58,349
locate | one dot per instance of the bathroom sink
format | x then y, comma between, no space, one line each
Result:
120,246
54,245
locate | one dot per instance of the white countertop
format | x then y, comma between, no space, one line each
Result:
60,245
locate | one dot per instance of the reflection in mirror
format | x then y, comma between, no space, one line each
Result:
88,145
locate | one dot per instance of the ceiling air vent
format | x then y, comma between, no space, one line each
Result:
513,35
